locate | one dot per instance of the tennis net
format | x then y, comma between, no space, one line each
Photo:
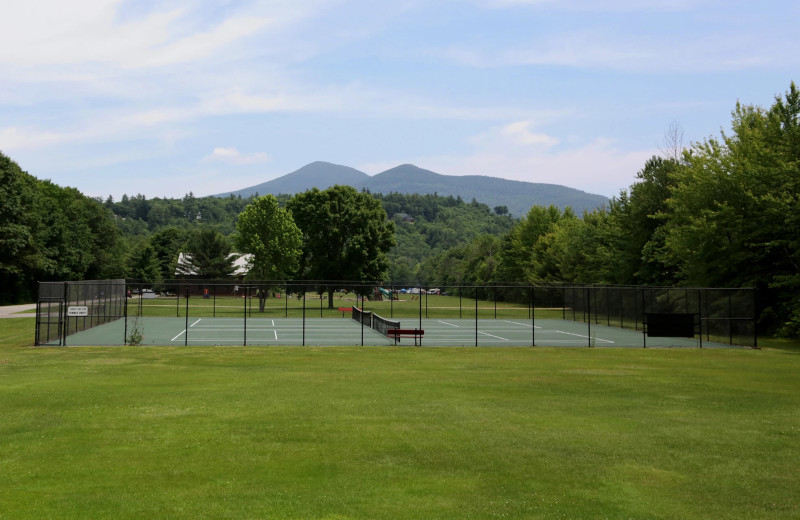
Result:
372,320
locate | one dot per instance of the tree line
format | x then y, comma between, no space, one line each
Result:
720,213
725,212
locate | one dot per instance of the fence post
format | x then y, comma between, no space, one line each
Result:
700,315
125,318
589,313
476,315
532,311
186,330
63,325
755,306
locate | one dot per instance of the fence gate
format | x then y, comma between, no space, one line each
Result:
64,308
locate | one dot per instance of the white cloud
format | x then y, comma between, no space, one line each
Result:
595,6
53,32
233,156
13,138
520,132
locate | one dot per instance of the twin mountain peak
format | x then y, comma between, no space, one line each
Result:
517,196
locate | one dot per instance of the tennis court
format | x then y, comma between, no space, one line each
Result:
99,313
346,331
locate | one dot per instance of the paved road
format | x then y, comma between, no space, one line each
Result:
9,311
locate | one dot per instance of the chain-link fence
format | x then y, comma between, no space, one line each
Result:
66,308
722,316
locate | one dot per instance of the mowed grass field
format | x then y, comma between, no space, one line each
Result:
341,432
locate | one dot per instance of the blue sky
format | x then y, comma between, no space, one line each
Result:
171,96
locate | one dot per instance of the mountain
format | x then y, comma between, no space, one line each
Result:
518,196
317,174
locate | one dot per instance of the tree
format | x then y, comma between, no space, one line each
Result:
208,256
636,222
268,233
166,245
346,235
733,218
145,266
19,251
517,261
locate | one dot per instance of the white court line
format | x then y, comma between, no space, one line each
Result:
584,336
522,324
492,335
452,325
181,333
276,333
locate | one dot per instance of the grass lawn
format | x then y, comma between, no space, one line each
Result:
337,433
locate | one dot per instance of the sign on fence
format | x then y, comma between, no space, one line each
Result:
78,310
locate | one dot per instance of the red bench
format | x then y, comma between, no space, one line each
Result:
406,333
345,309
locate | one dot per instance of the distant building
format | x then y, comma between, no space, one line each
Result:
241,265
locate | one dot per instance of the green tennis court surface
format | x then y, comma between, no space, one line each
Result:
345,331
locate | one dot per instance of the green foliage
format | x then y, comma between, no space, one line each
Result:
636,221
346,234
136,334
19,250
733,214
145,266
51,233
518,262
428,226
268,232
167,244
208,256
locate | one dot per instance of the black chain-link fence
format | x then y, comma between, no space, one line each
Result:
722,316
66,308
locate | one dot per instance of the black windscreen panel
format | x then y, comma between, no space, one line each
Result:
670,325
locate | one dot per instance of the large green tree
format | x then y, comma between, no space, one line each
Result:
636,226
346,234
267,232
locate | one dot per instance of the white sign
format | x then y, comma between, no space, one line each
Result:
78,310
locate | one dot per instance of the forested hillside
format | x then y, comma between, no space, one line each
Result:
723,213
51,233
